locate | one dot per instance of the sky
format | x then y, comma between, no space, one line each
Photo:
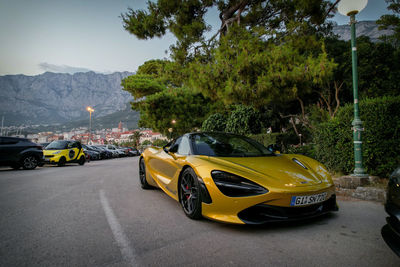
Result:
81,35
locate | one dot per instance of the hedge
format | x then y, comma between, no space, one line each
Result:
214,123
381,138
243,120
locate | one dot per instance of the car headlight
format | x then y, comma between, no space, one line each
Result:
233,185
57,152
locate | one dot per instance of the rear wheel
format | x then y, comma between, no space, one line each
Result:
61,162
29,162
142,175
189,194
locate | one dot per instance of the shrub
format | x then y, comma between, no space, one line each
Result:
285,142
215,123
243,120
266,139
160,142
306,150
381,138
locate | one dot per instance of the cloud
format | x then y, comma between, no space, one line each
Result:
61,68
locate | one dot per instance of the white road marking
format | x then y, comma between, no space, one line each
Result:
119,235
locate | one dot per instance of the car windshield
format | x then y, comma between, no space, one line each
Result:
227,145
55,145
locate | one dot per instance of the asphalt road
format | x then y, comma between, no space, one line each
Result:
97,215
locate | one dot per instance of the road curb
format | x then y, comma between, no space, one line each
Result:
366,192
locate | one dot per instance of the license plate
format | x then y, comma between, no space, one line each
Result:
307,200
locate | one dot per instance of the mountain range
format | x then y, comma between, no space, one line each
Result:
60,99
366,28
51,98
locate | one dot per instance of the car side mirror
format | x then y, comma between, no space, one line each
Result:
165,149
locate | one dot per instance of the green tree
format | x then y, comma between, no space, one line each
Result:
378,69
158,111
248,70
266,54
186,19
391,21
135,137
160,99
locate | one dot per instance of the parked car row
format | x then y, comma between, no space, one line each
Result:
22,153
98,152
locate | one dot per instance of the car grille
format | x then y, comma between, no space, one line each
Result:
48,156
263,213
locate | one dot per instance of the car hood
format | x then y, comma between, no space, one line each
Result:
279,170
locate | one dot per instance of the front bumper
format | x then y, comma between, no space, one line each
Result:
263,213
273,206
391,231
52,159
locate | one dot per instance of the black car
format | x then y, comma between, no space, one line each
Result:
391,231
91,154
94,154
103,154
107,154
20,152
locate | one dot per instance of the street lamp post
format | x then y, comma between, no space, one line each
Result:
351,8
171,129
90,110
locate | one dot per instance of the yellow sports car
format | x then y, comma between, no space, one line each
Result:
232,178
64,151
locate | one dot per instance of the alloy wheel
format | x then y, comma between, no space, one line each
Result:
29,162
189,193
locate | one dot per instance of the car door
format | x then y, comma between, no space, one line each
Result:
162,165
73,151
179,160
167,166
9,149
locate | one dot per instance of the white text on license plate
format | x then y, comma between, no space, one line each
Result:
307,200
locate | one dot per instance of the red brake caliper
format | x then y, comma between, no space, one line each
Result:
187,188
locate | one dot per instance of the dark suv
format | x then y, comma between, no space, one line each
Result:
20,152
391,231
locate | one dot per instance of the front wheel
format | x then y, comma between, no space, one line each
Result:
190,195
142,175
61,162
29,162
81,160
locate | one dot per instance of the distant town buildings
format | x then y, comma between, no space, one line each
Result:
105,136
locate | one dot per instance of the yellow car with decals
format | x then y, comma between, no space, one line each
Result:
64,151
232,178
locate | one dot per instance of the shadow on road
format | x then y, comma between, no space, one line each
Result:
305,223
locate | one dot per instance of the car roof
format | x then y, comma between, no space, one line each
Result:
69,141
14,138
